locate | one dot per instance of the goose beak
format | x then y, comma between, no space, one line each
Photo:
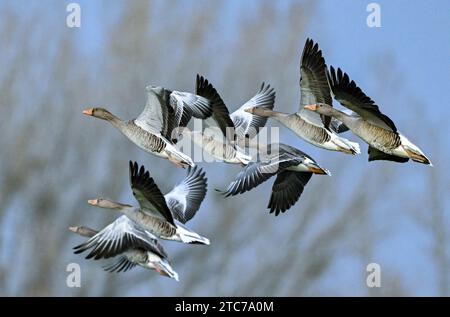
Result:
249,110
93,202
311,107
89,112
73,229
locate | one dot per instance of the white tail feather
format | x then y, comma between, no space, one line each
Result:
346,144
188,236
179,156
165,267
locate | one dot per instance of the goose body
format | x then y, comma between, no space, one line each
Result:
127,241
293,170
163,216
217,146
311,127
368,122
228,135
164,111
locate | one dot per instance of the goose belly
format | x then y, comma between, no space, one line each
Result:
309,132
153,224
146,141
217,149
378,138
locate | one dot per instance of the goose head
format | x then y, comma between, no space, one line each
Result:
108,204
100,113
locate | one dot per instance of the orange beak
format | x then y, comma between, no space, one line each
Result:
88,112
93,202
311,107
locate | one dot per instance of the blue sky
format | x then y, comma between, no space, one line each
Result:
413,34
412,47
416,34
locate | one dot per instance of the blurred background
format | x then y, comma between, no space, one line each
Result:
53,158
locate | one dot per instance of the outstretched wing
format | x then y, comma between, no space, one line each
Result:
246,124
118,237
184,199
313,84
121,265
352,97
221,115
147,193
286,190
156,117
255,173
187,105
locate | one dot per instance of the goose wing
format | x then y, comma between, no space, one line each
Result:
246,124
184,199
220,115
286,190
313,84
256,173
121,265
352,97
147,193
187,105
157,117
119,237
337,126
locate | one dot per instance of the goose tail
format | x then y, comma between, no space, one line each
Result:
346,146
178,157
190,237
413,152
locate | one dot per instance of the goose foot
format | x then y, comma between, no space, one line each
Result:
417,157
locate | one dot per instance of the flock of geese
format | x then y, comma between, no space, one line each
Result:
133,237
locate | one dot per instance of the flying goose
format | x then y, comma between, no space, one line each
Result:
164,111
227,142
128,241
293,169
163,216
314,88
368,122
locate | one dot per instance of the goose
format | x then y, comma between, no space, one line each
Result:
164,111
229,134
128,241
293,169
163,216
368,122
313,89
